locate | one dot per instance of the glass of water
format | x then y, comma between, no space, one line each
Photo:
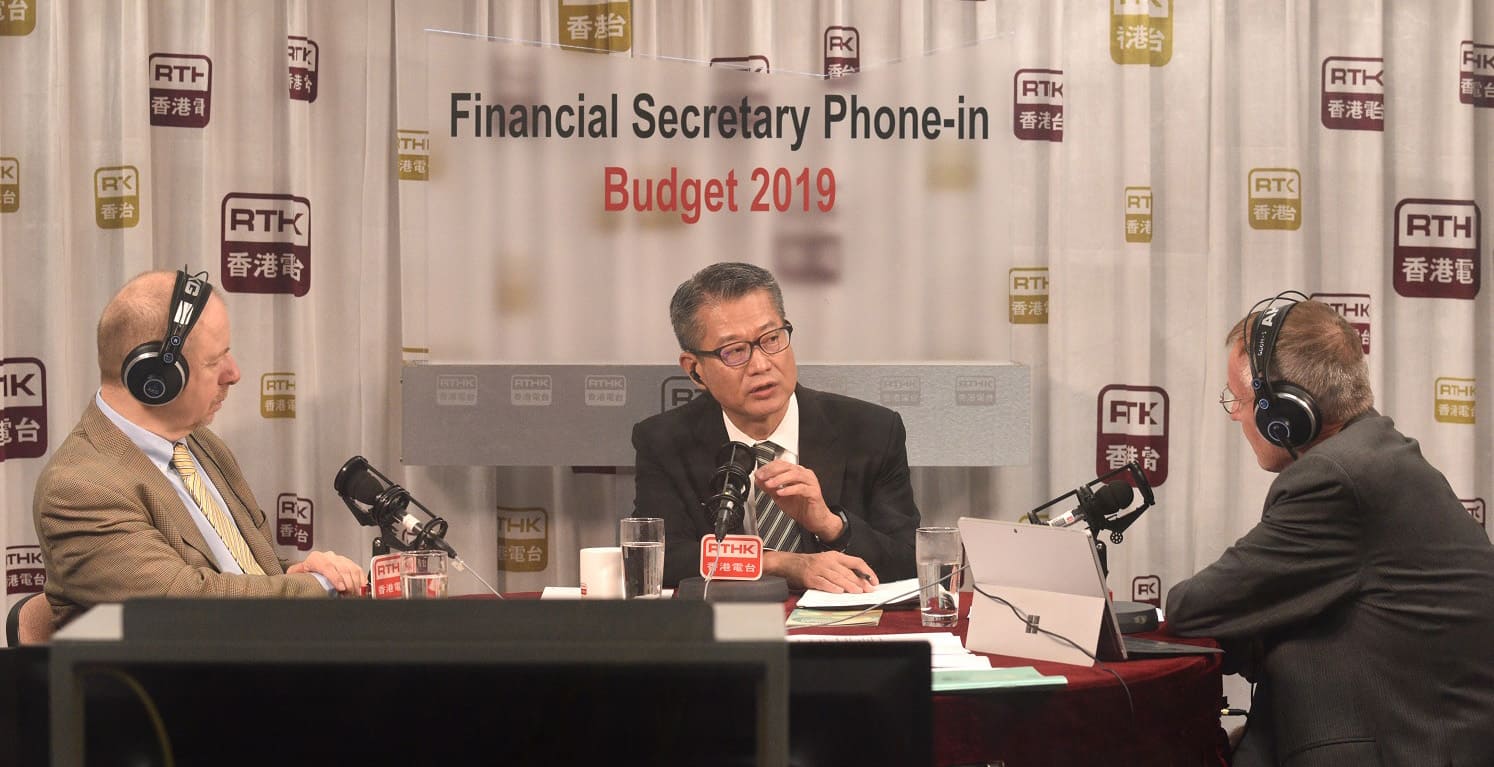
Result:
938,553
422,574
642,540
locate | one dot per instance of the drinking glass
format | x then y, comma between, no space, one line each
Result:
938,554
422,574
642,540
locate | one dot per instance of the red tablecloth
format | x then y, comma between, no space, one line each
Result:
1172,719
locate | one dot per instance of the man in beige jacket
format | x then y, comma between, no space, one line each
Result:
122,509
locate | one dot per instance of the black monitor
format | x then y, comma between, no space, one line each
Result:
23,706
368,687
860,703
446,682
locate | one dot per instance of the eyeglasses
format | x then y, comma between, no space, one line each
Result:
1229,401
735,355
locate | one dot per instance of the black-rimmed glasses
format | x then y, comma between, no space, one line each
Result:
735,355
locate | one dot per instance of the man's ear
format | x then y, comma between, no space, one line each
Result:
691,366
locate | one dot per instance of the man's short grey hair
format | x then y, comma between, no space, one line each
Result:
714,284
1320,352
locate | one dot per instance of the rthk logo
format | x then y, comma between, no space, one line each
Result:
301,54
1133,429
181,90
266,243
842,51
523,540
414,159
293,519
1437,244
1027,296
1353,93
277,395
1138,214
1476,74
23,408
10,184
1141,32
116,197
1037,104
1275,198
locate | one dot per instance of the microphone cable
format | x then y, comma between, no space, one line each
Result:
705,592
462,567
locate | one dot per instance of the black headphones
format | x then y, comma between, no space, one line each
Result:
155,372
1285,414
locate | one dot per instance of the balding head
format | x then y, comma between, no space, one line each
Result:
136,315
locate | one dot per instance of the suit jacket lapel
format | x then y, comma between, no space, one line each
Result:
177,520
817,445
709,431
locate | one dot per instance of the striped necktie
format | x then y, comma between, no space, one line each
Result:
181,460
779,531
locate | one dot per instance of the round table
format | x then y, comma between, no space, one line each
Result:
1172,717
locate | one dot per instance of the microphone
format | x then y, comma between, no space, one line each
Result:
1111,498
387,502
731,482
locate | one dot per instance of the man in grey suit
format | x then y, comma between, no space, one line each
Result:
1362,603
842,511
142,499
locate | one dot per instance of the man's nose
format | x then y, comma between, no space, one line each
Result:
758,362
231,372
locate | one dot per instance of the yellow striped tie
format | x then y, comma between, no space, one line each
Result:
181,460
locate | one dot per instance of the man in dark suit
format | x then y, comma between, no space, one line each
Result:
842,514
117,507
1362,603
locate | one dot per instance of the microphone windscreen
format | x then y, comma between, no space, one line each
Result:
1115,496
737,455
355,480
364,488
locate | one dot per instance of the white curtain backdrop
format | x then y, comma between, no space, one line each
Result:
1278,143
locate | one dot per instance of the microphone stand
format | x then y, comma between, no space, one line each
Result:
1116,525
388,507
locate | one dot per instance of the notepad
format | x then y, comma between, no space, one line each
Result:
960,679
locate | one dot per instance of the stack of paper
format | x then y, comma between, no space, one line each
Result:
945,647
893,592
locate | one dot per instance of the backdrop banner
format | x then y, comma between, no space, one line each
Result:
1094,190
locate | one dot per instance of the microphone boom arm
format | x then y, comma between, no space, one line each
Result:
1116,524
393,500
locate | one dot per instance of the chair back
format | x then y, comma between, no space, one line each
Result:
29,621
